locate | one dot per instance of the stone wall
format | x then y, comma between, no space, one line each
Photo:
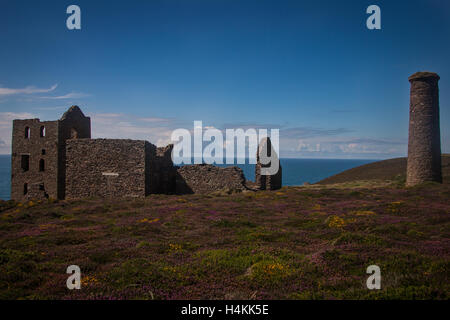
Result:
72,125
204,178
34,156
58,159
424,144
106,168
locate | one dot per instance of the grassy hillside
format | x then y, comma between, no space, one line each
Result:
392,169
296,243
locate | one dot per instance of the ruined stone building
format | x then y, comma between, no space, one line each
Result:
39,154
58,159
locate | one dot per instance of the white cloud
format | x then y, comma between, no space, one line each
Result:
155,120
50,108
104,125
108,115
295,143
72,95
26,90
340,147
309,147
123,126
6,119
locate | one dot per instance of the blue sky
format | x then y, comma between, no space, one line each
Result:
311,68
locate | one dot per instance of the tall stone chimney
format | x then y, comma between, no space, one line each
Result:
424,143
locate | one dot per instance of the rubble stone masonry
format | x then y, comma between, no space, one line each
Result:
58,159
206,178
105,168
34,167
424,144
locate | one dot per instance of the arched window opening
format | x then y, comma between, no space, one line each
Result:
43,152
42,131
25,188
41,165
73,133
27,132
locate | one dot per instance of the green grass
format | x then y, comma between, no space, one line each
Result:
311,242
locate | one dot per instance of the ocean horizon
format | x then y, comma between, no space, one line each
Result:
295,171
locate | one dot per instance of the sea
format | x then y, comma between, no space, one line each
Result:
295,171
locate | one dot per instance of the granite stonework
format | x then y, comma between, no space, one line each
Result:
206,178
424,143
105,168
38,154
58,159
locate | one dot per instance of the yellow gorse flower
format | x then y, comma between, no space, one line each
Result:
336,222
149,221
89,280
173,247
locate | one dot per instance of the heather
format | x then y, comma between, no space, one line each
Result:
312,242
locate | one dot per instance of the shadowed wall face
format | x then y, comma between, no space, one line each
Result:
160,172
424,144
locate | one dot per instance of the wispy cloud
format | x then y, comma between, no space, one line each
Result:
50,108
370,141
9,116
299,142
339,147
26,90
156,120
108,115
124,126
308,132
72,95
250,125
6,119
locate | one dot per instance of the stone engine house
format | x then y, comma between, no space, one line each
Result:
58,159
39,156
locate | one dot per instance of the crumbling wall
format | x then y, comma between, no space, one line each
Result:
205,178
61,161
34,159
105,168
72,125
267,182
